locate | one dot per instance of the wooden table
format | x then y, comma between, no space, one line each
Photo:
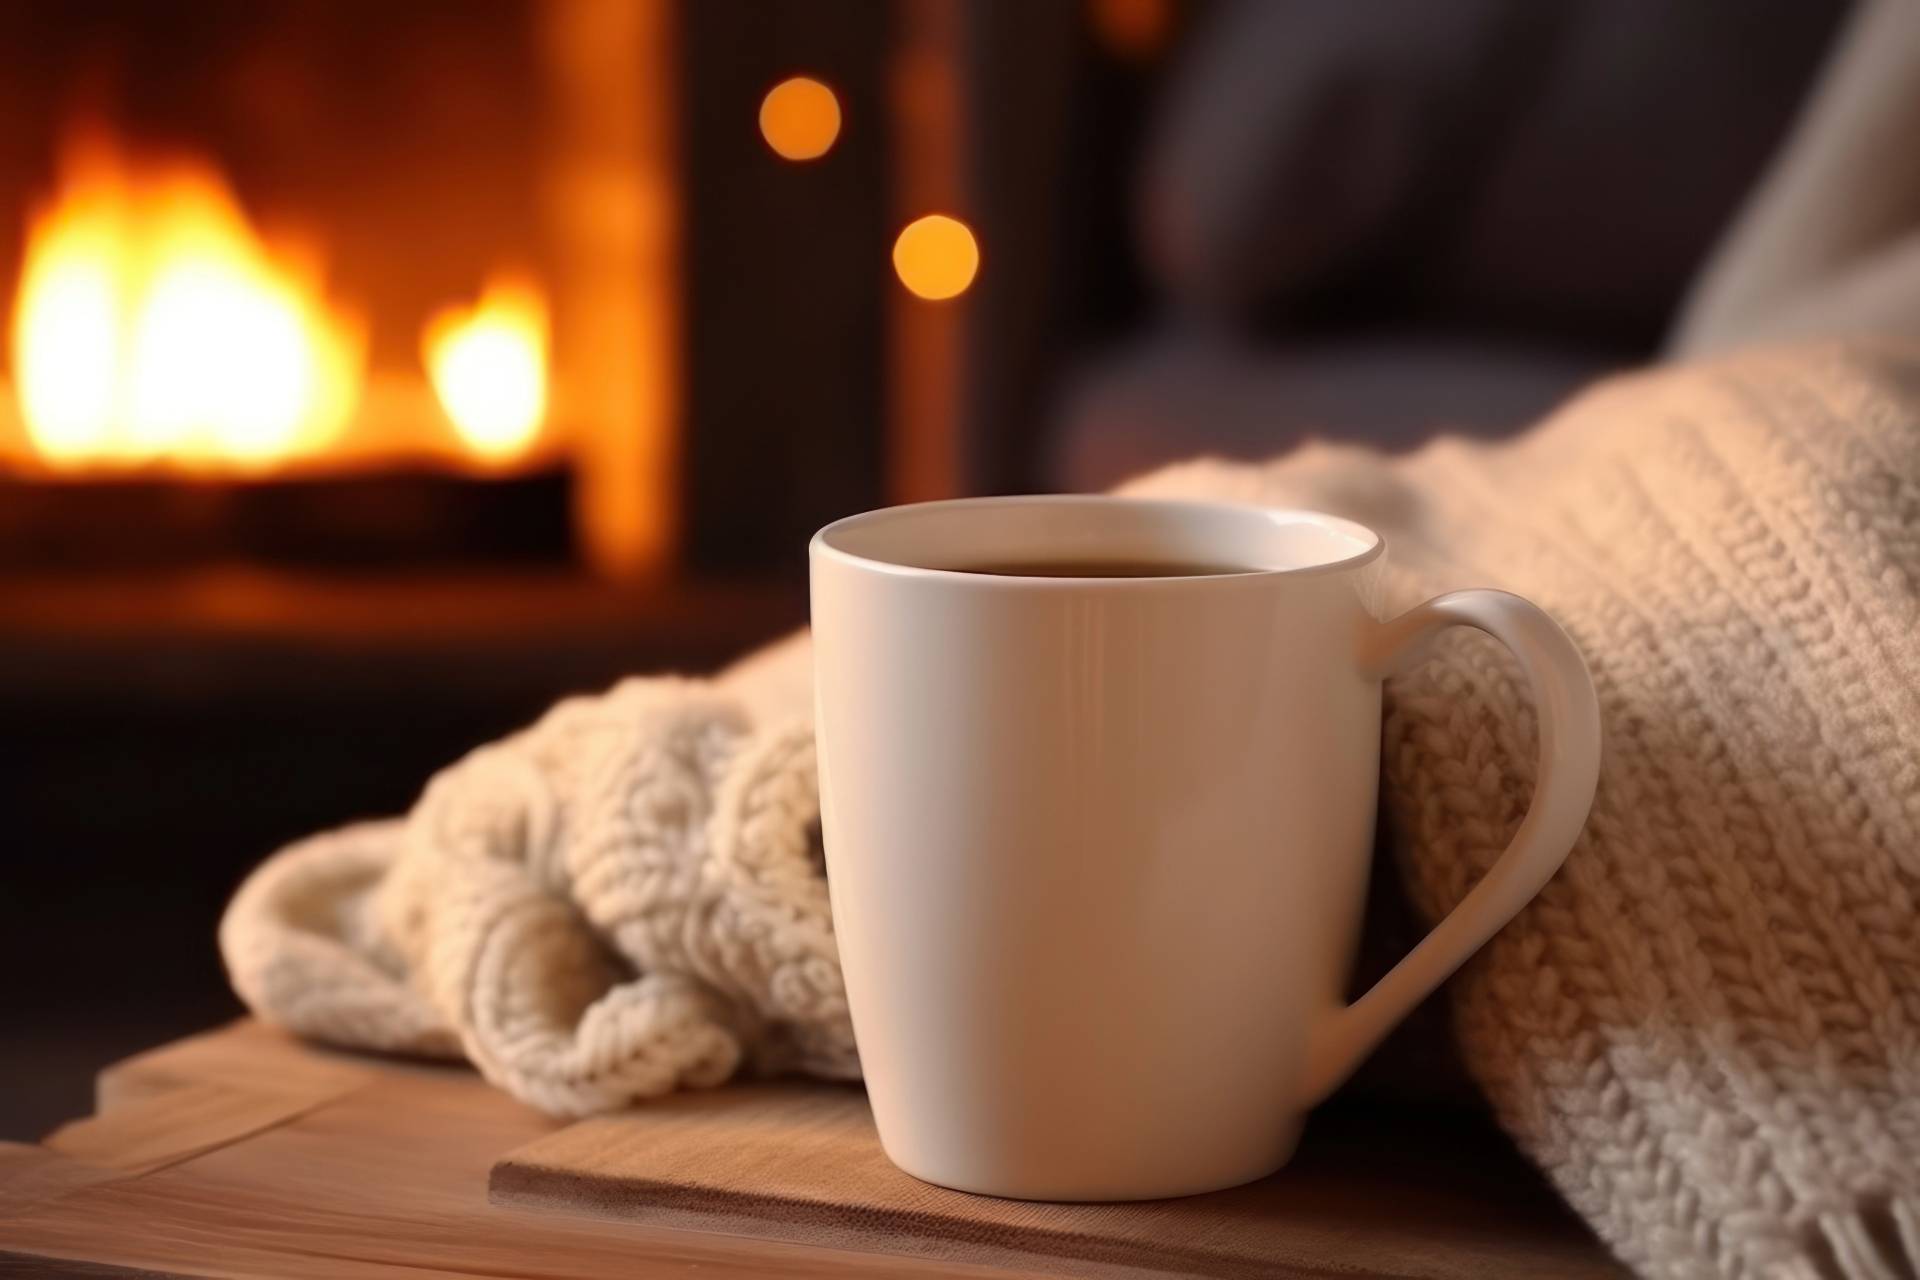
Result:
243,1152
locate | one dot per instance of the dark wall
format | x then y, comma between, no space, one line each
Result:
786,265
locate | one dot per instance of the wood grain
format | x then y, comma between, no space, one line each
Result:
310,1164
387,1179
1384,1193
142,1136
244,1056
30,1174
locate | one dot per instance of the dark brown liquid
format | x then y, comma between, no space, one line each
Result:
1103,568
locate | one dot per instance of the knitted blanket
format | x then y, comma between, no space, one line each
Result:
1706,1029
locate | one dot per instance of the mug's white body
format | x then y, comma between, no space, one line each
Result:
1097,846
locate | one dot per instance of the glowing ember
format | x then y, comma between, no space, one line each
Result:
153,326
488,363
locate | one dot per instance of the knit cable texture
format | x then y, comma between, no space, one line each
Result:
1706,1029
623,899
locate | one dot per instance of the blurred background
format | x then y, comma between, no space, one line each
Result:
375,374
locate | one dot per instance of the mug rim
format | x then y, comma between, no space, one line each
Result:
822,543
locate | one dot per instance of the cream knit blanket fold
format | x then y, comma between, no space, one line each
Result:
1707,1028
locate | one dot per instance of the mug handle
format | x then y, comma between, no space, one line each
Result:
1569,769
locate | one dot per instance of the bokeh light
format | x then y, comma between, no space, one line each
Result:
1133,29
800,118
936,257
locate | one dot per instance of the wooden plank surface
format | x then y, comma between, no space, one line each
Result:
1388,1193
30,1174
244,1056
288,1161
142,1136
387,1178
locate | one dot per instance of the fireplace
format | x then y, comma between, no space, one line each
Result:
341,284
372,375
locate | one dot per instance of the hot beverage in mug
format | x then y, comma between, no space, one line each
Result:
1098,783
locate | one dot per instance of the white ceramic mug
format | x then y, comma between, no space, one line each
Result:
1098,846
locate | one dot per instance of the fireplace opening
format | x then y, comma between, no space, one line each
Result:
183,389
282,287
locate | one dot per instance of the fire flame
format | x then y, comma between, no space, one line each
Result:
488,363
153,325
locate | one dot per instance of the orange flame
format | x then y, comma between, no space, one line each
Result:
153,326
488,363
